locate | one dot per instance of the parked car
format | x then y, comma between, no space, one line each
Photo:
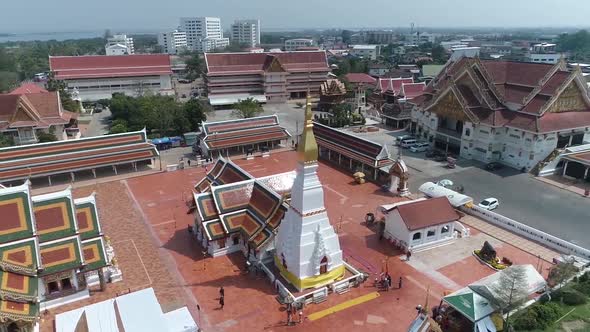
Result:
489,203
400,139
494,166
420,147
406,144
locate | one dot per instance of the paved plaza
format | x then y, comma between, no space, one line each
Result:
146,219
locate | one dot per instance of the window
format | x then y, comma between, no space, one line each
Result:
221,243
324,265
431,233
417,236
66,284
467,132
445,229
52,287
236,240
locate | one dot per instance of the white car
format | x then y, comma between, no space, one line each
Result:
420,147
489,203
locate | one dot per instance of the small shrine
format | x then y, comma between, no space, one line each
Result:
399,175
332,92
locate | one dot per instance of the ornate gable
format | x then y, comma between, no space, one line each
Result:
450,107
275,66
570,100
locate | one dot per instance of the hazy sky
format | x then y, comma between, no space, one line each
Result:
151,15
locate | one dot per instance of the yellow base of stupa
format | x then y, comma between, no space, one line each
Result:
311,282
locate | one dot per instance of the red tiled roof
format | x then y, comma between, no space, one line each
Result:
564,120
27,88
43,110
240,63
95,66
523,73
427,213
555,82
357,78
393,85
412,90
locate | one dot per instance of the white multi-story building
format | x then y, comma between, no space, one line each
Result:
370,52
544,53
172,42
418,38
123,40
246,32
202,33
116,49
294,44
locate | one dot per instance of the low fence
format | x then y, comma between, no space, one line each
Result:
531,233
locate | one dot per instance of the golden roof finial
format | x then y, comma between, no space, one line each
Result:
308,148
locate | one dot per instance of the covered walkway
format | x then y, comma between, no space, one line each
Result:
68,157
351,152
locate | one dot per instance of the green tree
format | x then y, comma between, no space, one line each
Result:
346,35
65,96
439,55
8,81
6,141
194,66
44,137
196,112
511,289
247,108
118,129
561,272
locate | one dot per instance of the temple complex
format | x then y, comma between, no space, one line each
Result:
308,251
511,112
332,93
52,248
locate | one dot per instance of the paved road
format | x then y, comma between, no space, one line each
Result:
99,125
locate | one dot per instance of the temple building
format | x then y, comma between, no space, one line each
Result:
510,112
353,153
308,251
52,248
29,110
238,136
265,77
236,212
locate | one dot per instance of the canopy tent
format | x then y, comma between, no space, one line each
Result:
138,311
469,303
434,190
475,301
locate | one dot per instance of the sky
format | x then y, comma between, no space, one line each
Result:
151,15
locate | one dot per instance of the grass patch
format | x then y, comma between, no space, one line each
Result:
581,312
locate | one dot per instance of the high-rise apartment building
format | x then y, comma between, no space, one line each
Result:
172,42
246,32
203,34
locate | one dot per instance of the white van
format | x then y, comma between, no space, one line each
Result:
408,143
420,147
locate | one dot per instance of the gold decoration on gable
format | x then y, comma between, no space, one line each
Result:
21,115
275,66
571,99
449,107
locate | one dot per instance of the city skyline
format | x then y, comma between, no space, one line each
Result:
297,15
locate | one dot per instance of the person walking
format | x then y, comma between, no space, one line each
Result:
408,255
221,292
400,283
221,302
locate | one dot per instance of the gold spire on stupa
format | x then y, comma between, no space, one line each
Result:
308,147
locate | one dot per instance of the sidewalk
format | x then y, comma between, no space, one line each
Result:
517,241
575,186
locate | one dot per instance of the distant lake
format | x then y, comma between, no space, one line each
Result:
7,37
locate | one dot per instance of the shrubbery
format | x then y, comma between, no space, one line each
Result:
538,317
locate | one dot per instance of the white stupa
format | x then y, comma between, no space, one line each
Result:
307,248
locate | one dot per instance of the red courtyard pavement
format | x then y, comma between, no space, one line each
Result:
250,303
146,219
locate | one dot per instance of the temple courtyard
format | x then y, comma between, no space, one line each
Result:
146,219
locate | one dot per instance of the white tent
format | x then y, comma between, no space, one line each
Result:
139,312
433,190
